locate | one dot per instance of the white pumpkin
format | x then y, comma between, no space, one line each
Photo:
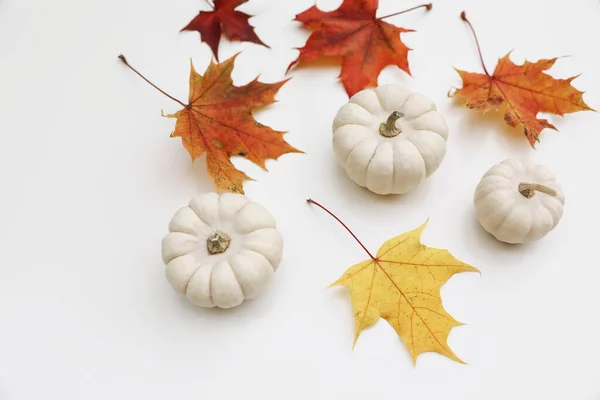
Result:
518,201
221,249
389,139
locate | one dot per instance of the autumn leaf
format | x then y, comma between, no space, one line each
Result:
218,122
367,44
401,284
224,18
521,92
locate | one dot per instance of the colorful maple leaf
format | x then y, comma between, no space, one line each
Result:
223,19
521,92
218,122
367,44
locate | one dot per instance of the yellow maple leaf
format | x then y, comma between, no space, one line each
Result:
401,284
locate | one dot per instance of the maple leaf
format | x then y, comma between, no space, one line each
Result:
224,18
218,122
366,44
401,284
521,91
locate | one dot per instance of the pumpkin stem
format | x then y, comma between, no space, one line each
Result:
389,128
528,189
217,243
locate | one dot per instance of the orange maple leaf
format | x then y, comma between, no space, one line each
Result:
218,122
521,91
366,44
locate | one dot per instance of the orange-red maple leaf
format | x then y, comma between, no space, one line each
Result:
234,24
218,122
366,44
521,92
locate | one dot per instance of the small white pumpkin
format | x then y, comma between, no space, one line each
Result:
518,201
389,139
221,249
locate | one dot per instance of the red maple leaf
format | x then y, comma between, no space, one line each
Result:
366,43
224,19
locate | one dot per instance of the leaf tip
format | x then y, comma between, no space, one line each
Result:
291,66
419,230
356,335
298,151
507,56
332,285
414,359
233,57
460,361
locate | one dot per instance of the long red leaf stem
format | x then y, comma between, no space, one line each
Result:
343,224
463,16
427,6
124,60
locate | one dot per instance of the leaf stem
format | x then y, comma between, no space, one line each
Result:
124,60
210,4
427,6
343,224
463,16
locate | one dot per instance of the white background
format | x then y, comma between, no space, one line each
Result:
90,179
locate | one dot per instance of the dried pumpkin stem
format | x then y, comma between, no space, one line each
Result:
389,128
528,189
217,243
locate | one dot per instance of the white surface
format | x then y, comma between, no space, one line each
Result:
91,179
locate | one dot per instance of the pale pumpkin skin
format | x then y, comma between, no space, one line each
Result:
511,212
227,278
389,165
